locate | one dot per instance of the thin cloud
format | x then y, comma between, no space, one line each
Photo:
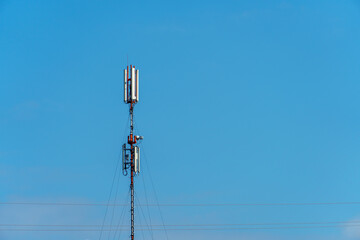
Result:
351,231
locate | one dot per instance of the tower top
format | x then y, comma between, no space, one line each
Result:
131,85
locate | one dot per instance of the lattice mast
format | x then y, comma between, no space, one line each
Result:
130,149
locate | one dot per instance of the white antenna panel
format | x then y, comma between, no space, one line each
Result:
137,159
125,86
124,156
133,79
137,85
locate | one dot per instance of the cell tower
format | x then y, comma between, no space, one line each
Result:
130,150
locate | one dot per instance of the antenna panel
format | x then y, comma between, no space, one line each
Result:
137,159
124,156
133,79
125,86
137,85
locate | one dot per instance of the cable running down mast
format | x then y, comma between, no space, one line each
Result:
130,150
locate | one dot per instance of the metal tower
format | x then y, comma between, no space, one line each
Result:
130,149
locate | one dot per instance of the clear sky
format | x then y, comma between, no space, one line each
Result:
240,102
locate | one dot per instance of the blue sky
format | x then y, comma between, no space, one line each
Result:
240,102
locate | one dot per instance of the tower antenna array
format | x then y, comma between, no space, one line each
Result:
130,150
